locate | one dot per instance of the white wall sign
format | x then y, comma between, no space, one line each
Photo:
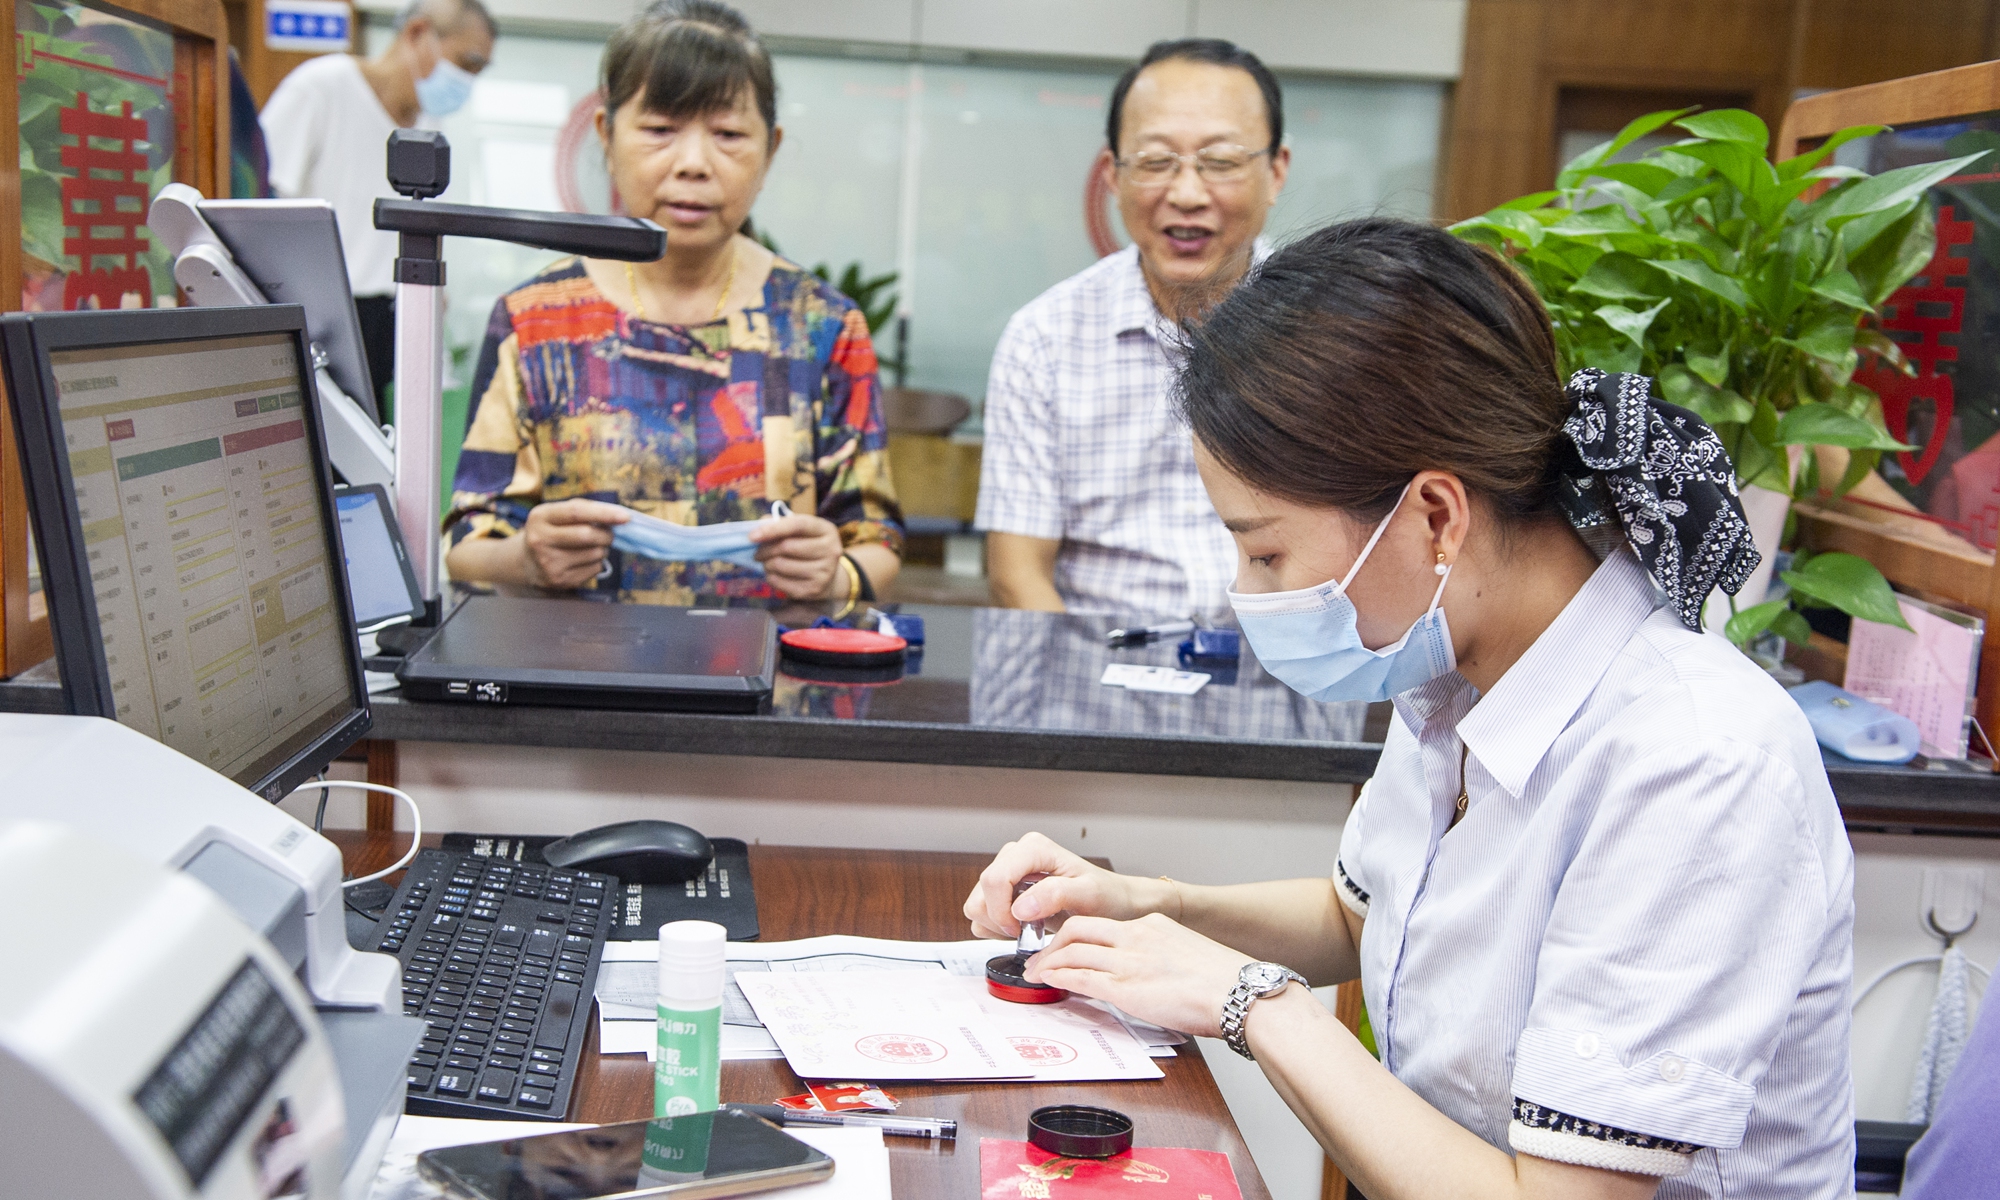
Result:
306,26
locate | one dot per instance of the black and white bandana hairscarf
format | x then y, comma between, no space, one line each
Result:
1665,475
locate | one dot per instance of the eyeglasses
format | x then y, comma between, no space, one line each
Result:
1215,164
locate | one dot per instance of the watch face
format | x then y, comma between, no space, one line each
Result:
1262,977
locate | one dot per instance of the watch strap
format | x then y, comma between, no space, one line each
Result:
1236,1008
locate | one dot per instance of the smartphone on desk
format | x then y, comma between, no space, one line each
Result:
689,1158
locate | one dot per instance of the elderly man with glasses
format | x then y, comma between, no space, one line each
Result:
1088,492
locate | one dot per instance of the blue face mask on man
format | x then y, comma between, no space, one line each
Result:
728,541
445,90
1308,638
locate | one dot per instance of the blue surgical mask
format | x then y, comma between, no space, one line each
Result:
445,90
729,541
1308,639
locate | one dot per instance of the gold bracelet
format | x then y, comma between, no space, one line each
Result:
853,588
1180,901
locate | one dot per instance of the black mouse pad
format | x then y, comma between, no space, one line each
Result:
723,894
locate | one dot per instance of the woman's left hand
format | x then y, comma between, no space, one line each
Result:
1154,968
801,556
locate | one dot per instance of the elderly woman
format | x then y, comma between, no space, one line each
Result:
702,388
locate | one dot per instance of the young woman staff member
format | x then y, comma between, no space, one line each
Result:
1598,892
701,388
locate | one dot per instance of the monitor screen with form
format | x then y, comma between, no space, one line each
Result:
203,516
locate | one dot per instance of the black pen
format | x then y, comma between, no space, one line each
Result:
1140,635
938,1128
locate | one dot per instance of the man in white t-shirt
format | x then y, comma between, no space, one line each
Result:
328,125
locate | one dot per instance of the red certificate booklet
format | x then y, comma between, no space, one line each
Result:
1019,1171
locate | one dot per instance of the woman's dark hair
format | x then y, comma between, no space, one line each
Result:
1216,52
1371,350
687,58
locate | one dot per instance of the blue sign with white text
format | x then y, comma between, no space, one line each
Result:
306,26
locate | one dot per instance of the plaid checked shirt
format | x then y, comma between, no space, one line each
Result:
1082,446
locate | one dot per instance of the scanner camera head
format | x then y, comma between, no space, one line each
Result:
419,163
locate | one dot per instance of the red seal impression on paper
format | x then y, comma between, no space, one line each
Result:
1042,1052
900,1048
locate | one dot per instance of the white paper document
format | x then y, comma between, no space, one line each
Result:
902,1025
628,983
860,1160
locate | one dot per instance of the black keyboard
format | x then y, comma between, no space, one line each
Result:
500,958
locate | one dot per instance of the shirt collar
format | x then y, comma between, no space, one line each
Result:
1512,728
1132,307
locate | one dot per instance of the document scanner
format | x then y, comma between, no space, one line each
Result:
187,1019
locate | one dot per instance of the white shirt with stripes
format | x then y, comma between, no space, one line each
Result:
1083,447
1635,950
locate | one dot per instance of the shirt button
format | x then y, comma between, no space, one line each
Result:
1671,1069
1586,1045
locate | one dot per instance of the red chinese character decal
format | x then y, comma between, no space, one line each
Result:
105,202
1926,307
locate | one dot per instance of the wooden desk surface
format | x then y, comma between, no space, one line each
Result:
803,892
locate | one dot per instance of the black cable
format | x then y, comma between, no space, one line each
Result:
319,818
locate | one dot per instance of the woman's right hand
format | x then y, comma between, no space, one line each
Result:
564,542
1073,886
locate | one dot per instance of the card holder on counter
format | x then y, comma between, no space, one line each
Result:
722,894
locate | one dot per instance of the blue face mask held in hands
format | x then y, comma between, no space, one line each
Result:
650,537
1307,638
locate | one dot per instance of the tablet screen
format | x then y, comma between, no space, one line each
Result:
377,574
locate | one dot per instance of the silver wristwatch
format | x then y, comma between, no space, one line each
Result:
1254,982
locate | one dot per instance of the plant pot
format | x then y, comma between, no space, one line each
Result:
1765,510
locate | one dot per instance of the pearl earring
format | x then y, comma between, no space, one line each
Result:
1441,568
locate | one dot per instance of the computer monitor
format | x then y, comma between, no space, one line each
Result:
190,549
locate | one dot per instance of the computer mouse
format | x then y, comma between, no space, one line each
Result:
635,851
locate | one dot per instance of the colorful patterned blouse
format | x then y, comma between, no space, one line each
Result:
694,424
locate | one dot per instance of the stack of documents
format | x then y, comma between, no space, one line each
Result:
628,984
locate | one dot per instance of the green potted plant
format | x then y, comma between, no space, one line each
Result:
1749,299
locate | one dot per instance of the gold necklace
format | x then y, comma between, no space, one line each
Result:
1464,787
728,286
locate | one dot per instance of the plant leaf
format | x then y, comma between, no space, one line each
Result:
1598,347
1817,424
1859,464
1747,623
1887,190
1706,278
1738,163
1729,125
1850,584
1605,218
1645,176
1798,165
1632,324
1713,367
1792,627
1524,203
1841,288
1892,259
1830,338
1618,277
1573,173
1717,406
1509,224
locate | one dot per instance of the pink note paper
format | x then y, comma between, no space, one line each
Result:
1926,675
